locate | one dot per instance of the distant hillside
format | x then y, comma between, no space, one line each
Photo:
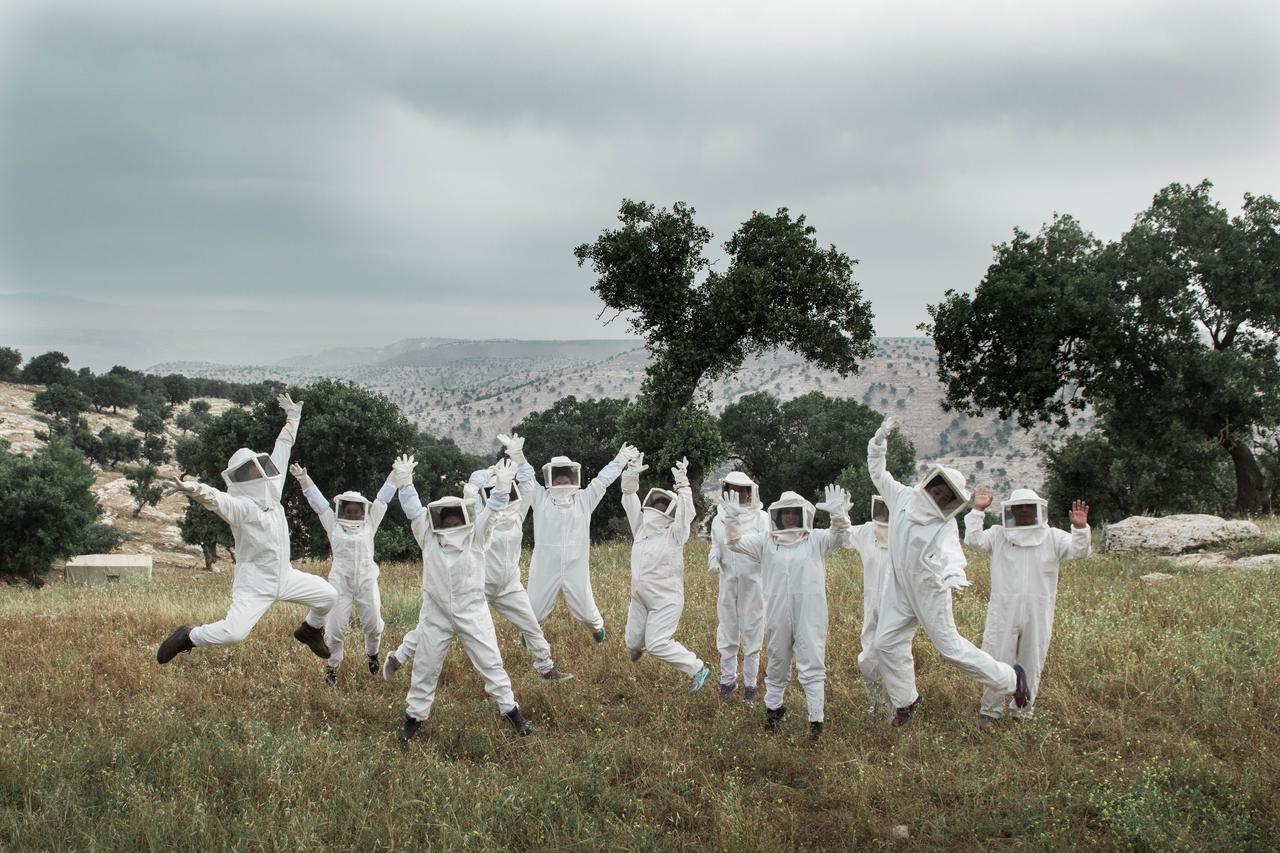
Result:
472,390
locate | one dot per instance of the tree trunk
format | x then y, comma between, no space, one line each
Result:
210,555
1250,484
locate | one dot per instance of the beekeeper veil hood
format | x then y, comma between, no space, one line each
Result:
735,487
563,478
452,521
1026,519
790,519
254,476
351,508
659,508
880,519
940,494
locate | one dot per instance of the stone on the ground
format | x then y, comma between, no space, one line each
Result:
901,832
1156,577
108,568
1174,534
1207,560
1260,561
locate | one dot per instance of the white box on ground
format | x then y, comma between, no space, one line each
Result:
109,568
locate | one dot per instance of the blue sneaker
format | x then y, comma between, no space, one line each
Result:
700,679
598,634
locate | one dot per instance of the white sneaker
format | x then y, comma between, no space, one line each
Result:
389,667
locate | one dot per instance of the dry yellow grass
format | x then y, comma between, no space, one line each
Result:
1158,726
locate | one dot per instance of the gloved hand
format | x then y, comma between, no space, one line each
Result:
300,474
836,503
514,446
713,565
626,453
504,474
292,410
680,474
631,474
982,499
958,583
732,527
888,425
402,470
177,486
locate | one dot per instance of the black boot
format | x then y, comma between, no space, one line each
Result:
902,716
520,724
330,676
312,638
375,666
175,644
409,730
773,716
815,729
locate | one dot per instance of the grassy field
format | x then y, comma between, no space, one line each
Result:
1158,727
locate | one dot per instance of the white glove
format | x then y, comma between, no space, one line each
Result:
631,474
514,446
626,453
888,425
713,565
300,474
957,583
837,501
504,473
176,486
402,471
292,410
680,473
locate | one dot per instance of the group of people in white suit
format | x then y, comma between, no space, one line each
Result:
771,564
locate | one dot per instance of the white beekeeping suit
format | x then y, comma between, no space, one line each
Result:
351,525
561,563
740,602
871,541
1025,555
926,564
502,587
263,575
453,537
660,528
794,559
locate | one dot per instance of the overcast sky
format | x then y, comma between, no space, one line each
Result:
243,182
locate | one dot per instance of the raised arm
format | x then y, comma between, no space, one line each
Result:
682,521
836,505
229,509
631,492
1078,544
975,520
596,488
877,449
315,499
529,489
499,496
751,544
378,511
288,435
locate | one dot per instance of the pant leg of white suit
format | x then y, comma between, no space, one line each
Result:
932,606
474,627
580,599
868,663
728,631
409,645
637,622
544,586
368,604
431,640
512,603
337,621
661,622
809,648
248,605
777,672
891,649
